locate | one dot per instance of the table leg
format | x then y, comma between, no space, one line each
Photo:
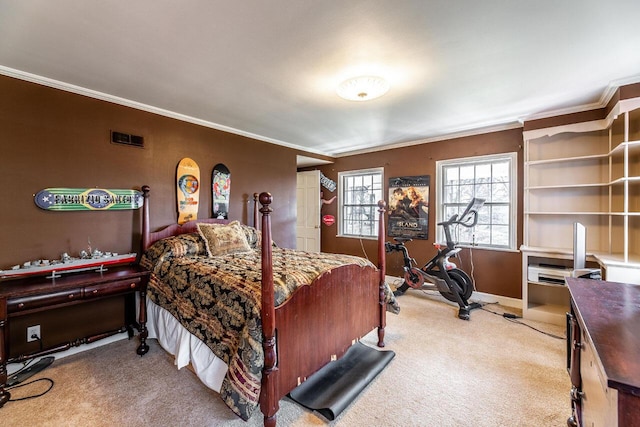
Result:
143,348
4,394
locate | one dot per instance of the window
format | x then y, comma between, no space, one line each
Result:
492,178
358,195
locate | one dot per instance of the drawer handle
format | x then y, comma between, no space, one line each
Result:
95,291
132,286
21,305
71,296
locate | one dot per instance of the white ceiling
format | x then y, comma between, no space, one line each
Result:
269,69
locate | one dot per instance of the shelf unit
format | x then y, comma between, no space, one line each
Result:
542,301
589,173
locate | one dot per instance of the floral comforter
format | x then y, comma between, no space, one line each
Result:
218,300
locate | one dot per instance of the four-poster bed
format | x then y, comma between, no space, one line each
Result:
301,324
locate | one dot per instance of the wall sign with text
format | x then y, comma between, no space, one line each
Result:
87,199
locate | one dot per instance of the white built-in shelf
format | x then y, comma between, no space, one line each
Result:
622,180
567,186
633,146
584,172
617,259
543,251
568,159
552,285
620,213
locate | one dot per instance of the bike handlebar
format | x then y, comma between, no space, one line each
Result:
464,222
469,217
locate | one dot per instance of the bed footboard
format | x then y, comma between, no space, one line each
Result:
311,334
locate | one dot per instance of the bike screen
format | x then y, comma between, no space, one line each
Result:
472,208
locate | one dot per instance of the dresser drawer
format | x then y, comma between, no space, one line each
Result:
44,300
110,288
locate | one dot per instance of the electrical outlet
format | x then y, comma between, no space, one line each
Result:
31,331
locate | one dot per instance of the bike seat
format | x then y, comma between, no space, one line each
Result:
402,239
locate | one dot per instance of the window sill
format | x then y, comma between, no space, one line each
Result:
351,236
487,248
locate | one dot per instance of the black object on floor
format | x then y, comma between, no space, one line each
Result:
330,390
29,371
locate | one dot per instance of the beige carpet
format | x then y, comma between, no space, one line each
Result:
447,372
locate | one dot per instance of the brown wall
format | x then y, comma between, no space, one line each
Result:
53,138
495,272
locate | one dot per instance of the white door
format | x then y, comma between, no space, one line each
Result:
308,211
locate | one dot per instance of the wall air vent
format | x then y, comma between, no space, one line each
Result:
127,139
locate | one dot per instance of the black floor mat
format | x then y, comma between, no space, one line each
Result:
330,390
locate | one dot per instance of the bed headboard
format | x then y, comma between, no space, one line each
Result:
149,237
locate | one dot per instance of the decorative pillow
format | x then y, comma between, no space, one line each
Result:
224,239
254,237
173,247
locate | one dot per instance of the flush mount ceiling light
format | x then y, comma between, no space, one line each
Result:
363,88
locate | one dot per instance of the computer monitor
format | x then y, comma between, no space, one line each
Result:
580,254
579,246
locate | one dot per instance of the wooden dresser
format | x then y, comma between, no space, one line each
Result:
28,296
603,353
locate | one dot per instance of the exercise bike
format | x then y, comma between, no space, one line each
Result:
439,272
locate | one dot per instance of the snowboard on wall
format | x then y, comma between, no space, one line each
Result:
220,188
188,190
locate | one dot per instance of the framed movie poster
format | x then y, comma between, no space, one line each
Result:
409,207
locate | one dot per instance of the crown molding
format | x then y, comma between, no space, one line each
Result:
67,87
605,97
444,137
478,129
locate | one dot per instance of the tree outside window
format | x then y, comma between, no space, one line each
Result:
492,178
359,193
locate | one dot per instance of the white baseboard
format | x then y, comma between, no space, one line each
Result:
477,296
503,301
13,367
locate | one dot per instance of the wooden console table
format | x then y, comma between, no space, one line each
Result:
603,353
25,296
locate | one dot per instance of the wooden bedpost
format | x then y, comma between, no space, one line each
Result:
268,395
255,211
382,267
143,348
145,217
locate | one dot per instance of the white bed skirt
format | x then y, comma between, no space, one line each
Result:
186,348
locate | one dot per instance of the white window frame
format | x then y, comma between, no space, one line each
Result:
485,211
341,202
